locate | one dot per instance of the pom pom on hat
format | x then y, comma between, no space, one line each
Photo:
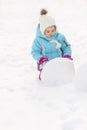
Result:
43,12
45,20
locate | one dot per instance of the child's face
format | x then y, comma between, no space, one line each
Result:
50,31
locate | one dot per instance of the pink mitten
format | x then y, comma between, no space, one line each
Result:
41,63
68,57
42,60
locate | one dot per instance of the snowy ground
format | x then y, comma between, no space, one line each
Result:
25,103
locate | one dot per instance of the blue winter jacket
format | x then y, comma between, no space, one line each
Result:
55,46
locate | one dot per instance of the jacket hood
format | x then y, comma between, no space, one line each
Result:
40,35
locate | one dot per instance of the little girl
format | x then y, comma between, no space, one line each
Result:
49,43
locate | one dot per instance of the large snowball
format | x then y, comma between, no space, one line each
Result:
58,72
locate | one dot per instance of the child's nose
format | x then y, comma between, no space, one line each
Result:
50,33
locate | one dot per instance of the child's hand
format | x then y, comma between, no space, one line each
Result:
42,60
68,57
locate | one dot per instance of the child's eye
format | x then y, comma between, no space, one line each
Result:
48,31
52,30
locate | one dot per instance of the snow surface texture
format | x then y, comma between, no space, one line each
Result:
25,103
59,71
81,77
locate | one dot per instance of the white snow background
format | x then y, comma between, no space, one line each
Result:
25,103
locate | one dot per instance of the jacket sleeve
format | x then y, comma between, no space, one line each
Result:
36,50
66,47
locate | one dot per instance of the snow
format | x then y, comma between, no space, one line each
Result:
25,103
81,77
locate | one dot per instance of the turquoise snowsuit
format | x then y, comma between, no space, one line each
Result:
55,46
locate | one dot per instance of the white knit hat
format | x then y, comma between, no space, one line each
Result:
45,21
